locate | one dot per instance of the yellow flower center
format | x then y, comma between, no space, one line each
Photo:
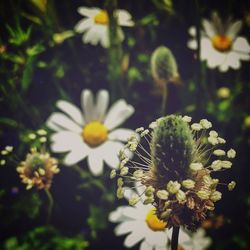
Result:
102,17
153,222
222,43
94,133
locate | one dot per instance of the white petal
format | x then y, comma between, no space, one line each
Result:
241,44
125,227
62,121
95,163
87,105
118,113
133,213
105,38
208,27
120,134
145,246
83,25
89,12
158,238
161,248
75,156
109,152
234,29
102,102
64,141
124,18
192,44
117,215
133,238
71,110
232,60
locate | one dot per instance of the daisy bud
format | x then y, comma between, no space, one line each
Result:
173,187
186,118
231,185
163,65
134,200
231,153
162,194
203,194
196,127
219,152
41,132
43,139
188,184
112,174
4,152
32,136
205,123
215,196
124,171
180,196
196,166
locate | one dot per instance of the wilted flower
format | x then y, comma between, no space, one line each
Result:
177,159
220,44
38,169
142,225
95,25
90,133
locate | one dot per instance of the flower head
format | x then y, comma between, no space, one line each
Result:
142,225
90,133
176,163
38,169
95,25
220,44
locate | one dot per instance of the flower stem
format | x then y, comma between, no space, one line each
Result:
50,204
164,99
175,235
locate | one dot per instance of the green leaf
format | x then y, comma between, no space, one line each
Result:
8,122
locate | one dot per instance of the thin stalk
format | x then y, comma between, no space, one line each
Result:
175,236
50,204
164,99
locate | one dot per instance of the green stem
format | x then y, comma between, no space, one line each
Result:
175,235
164,98
50,204
114,52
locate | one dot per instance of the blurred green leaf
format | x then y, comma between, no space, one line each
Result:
8,122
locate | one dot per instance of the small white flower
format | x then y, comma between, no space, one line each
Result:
186,118
226,164
215,196
213,133
41,132
221,140
180,196
2,162
219,152
43,139
203,194
138,173
9,148
231,185
205,123
220,44
90,133
173,187
196,127
231,153
162,194
112,174
124,171
94,25
213,140
153,125
32,136
188,184
216,165
196,166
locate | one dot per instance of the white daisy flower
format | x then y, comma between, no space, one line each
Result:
142,225
95,25
220,44
92,132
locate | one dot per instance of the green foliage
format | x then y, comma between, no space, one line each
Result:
45,238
